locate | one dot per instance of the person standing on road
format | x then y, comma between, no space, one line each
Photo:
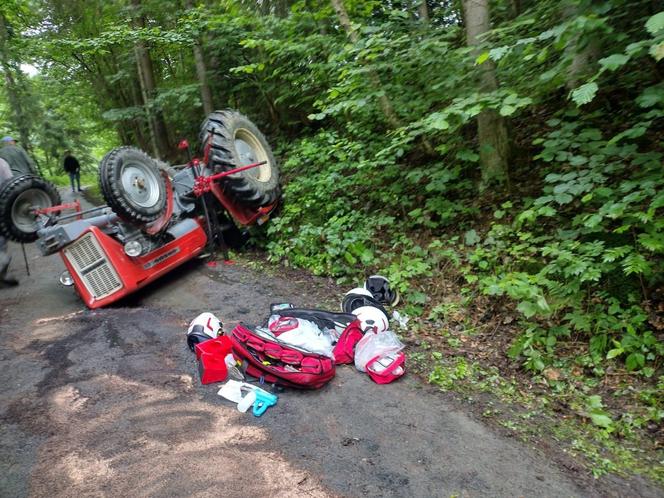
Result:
19,161
73,169
5,258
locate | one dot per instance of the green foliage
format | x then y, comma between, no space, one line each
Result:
577,258
655,24
574,248
592,271
446,376
585,93
594,409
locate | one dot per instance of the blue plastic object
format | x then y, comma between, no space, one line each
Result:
264,400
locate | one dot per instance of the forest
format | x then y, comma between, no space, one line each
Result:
499,161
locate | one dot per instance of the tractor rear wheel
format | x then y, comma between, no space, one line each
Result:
132,185
229,140
19,197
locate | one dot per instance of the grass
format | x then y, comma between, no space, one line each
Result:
583,427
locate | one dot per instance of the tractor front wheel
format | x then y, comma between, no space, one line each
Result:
132,185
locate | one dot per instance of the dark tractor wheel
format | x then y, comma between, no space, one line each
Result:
231,141
19,197
132,185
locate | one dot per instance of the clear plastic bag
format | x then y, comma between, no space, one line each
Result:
375,345
301,333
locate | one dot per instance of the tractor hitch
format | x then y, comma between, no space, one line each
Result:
203,184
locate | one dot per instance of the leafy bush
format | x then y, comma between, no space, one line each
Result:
578,254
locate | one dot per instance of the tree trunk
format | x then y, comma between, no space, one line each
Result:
584,53
281,8
129,130
491,129
148,88
201,72
385,103
515,7
14,100
137,124
158,130
146,99
423,11
13,91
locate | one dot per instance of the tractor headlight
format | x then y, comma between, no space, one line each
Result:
66,279
133,248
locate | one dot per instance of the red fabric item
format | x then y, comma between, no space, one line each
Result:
344,351
278,363
387,375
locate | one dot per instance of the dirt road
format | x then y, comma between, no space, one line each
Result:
107,403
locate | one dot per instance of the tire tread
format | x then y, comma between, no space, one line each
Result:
9,191
113,194
218,131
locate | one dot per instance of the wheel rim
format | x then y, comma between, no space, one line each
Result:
250,150
23,216
140,184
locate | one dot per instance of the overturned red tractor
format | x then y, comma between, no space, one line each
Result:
156,217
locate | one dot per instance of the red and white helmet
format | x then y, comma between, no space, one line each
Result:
202,328
371,318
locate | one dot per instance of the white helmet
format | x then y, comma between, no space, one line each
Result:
202,328
371,317
359,290
357,297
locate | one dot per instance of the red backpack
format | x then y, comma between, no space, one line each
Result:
276,362
344,351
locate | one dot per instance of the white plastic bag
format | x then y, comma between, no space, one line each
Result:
302,333
375,345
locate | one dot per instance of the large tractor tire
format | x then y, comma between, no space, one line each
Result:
230,141
132,185
19,197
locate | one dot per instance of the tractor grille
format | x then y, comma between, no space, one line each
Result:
90,263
